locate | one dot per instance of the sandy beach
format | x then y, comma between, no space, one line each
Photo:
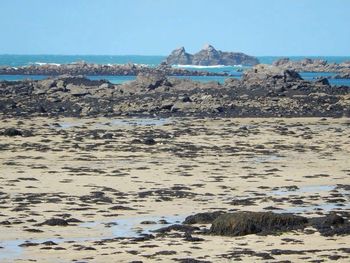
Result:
106,177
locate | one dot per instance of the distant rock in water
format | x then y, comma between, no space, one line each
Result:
209,56
314,65
180,56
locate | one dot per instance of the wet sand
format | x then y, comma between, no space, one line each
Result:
112,174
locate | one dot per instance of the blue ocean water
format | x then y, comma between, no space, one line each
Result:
23,60
235,71
329,59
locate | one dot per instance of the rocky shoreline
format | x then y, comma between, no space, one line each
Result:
264,91
83,68
179,57
315,65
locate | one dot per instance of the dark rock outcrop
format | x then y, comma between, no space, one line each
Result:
331,225
264,91
209,56
12,132
262,223
55,222
176,227
245,223
202,218
152,81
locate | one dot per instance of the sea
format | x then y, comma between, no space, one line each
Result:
153,61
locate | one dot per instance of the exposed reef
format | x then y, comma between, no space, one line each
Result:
264,91
83,68
315,65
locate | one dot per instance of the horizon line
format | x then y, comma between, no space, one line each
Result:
46,54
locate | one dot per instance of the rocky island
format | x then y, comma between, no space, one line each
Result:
209,56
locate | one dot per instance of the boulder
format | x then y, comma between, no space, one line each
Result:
322,81
55,222
151,81
262,74
231,82
11,132
180,106
47,83
280,62
245,223
331,224
149,141
77,91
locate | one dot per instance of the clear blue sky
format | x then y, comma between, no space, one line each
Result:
155,27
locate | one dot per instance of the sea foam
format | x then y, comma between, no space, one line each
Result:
204,67
44,63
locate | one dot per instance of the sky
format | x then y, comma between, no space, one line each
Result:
156,27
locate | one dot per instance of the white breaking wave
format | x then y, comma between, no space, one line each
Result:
204,67
123,64
44,63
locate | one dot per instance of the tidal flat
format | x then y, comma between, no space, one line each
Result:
96,189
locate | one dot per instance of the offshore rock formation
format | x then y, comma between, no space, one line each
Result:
209,56
314,65
179,56
83,68
264,91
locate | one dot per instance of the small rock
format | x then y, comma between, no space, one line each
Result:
55,222
149,141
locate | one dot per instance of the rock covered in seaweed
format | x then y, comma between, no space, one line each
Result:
202,218
245,223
